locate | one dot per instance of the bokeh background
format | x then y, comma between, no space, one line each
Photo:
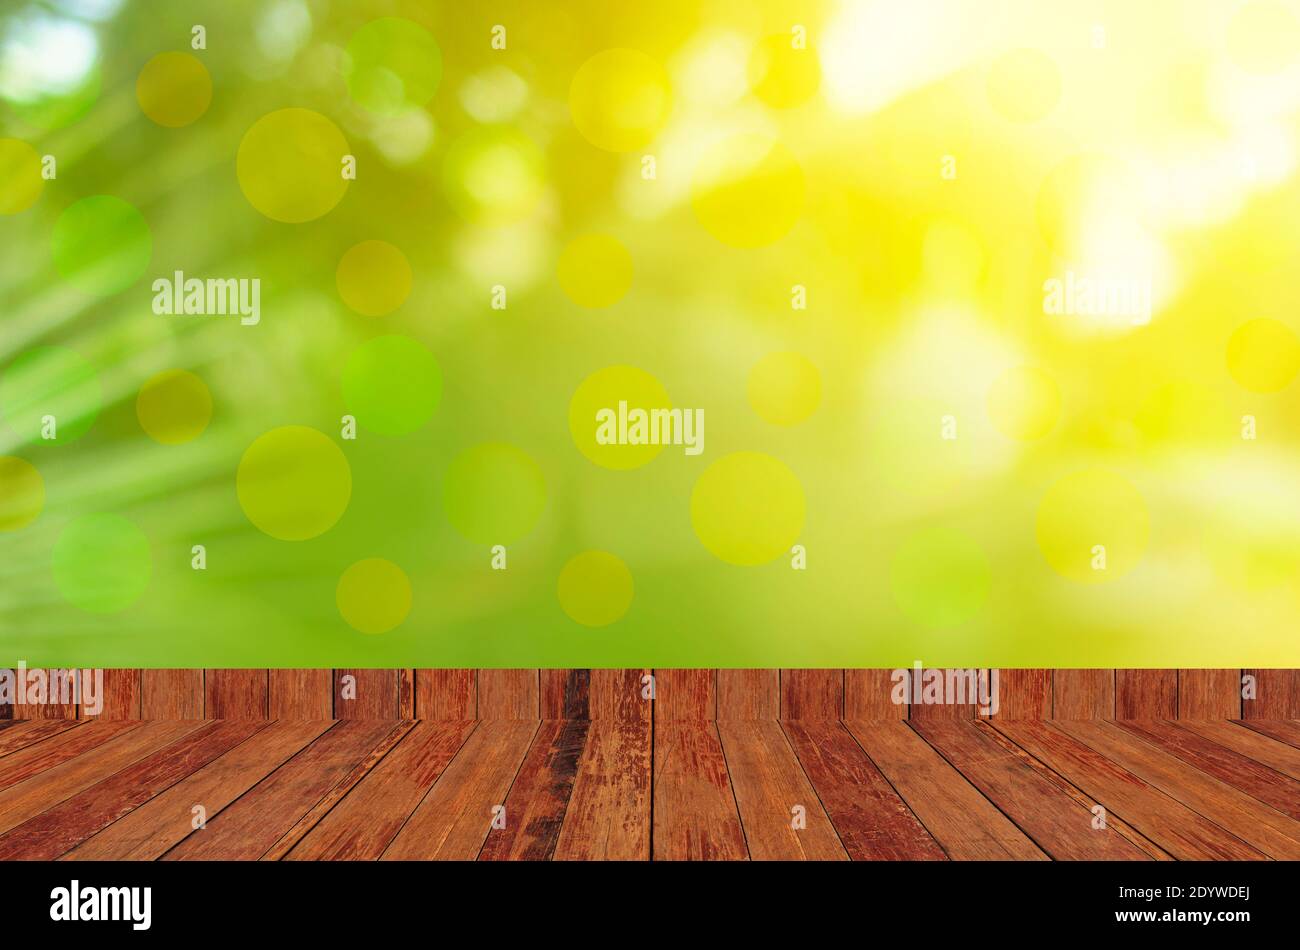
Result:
830,226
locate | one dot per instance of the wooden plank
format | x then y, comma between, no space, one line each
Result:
780,812
1252,821
446,694
508,694
1232,768
619,694
1057,816
300,694
367,694
957,693
1276,755
61,828
406,694
1146,694
749,694
251,826
565,694
362,825
695,815
609,812
161,823
453,820
171,694
19,734
235,694
1209,694
57,784
121,698
540,794
962,821
870,694
1283,730
1024,694
1177,829
1083,694
872,821
812,694
60,748
685,695
1277,695
59,687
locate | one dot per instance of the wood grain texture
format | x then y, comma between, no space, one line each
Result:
1277,695
1250,820
609,812
870,694
446,694
812,694
60,782
300,694
772,791
1083,694
1276,755
171,694
453,820
363,824
685,695
962,820
957,692
248,828
872,821
150,830
1177,829
121,698
58,747
1054,814
1228,766
60,690
618,694
1209,694
235,694
695,815
19,734
1024,694
749,694
1146,694
565,694
539,797
367,694
1282,730
508,694
57,830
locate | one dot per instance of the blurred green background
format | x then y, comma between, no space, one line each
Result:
925,462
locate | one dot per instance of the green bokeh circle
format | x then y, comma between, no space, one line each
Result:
392,384
101,245
50,381
102,563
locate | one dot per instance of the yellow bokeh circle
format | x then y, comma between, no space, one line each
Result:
1264,355
294,483
174,407
374,278
1264,37
748,191
783,74
595,588
784,388
174,89
20,176
747,508
595,270
1093,526
603,414
1024,403
291,165
22,493
374,595
1024,85
620,99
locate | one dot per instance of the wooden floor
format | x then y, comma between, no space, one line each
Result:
649,788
